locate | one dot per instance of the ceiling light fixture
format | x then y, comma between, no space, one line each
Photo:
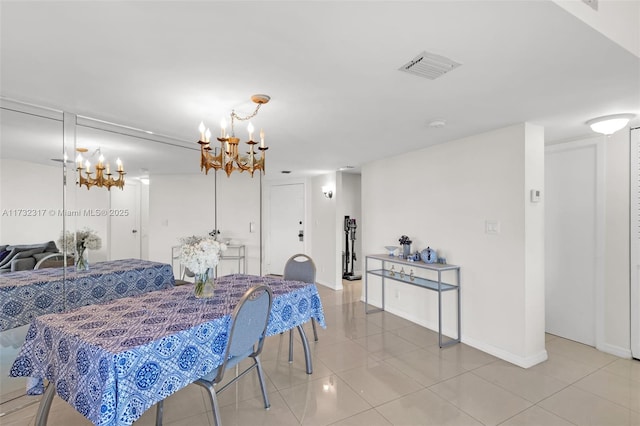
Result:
228,158
609,124
101,179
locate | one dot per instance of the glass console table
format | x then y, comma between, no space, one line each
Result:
390,269
233,252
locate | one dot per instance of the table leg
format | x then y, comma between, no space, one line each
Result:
307,352
45,405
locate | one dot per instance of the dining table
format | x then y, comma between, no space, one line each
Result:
25,295
113,361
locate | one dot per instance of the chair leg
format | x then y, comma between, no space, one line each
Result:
305,346
263,386
213,399
159,412
290,346
45,405
315,332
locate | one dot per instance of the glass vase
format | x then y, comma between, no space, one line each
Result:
406,251
204,285
82,261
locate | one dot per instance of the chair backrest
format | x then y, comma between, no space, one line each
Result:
248,325
300,267
54,260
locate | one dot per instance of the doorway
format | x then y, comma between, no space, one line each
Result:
574,216
286,227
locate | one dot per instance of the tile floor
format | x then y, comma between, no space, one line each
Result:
380,369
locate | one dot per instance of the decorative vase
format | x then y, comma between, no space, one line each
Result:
406,250
204,285
82,262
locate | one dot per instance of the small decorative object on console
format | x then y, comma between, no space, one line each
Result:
429,255
201,255
391,250
405,242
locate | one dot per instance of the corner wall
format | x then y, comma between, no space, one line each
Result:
459,186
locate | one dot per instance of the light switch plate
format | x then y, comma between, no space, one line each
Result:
492,227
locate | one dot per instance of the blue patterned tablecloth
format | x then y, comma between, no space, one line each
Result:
25,295
113,361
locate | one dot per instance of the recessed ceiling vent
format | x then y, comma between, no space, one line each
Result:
429,65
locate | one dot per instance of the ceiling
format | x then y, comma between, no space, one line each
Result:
331,69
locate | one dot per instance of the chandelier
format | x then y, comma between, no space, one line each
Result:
228,157
103,176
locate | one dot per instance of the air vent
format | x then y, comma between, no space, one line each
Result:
429,65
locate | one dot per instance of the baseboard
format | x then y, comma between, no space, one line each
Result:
615,350
524,362
339,287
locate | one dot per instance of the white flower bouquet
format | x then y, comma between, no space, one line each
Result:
77,244
200,255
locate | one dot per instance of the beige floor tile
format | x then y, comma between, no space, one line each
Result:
578,352
482,400
388,321
187,402
625,368
366,418
342,355
252,412
247,387
62,413
584,408
426,368
530,385
379,383
466,356
385,345
424,408
201,419
418,335
285,375
548,337
621,390
23,417
563,368
323,401
536,416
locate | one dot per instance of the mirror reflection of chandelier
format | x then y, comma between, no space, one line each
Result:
103,176
228,157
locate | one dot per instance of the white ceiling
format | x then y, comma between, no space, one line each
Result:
330,67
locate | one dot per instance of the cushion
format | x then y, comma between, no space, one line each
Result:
3,254
3,247
29,253
51,247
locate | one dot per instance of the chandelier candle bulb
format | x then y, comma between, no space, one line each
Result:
223,128
79,160
261,138
108,169
201,129
101,161
88,164
207,136
119,163
250,129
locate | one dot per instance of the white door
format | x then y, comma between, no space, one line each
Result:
635,243
124,222
286,223
572,221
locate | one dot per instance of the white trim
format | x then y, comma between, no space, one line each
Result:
524,362
634,240
599,143
615,350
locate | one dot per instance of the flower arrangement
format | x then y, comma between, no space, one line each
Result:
77,244
200,255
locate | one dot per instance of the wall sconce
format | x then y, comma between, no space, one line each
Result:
327,191
609,124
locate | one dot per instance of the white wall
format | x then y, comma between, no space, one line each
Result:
324,244
33,187
460,185
183,205
617,268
